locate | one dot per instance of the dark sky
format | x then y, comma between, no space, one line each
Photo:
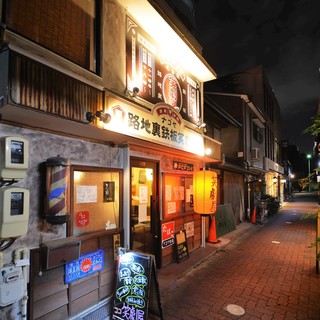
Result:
281,35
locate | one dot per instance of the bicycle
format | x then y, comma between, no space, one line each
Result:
288,197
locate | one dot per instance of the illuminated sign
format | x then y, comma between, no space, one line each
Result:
158,77
162,125
87,264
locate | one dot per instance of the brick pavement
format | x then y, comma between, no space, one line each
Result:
269,271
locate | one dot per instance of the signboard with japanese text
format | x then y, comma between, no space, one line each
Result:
167,234
162,125
87,264
182,251
177,165
158,77
137,289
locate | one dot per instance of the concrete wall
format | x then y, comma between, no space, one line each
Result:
41,147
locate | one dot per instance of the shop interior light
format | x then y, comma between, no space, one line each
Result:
103,116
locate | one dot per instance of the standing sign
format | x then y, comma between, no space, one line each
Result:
137,289
181,246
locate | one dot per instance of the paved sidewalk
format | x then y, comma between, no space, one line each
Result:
169,274
267,271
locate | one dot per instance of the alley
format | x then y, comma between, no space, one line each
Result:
270,273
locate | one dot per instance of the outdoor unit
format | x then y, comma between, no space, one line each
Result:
255,154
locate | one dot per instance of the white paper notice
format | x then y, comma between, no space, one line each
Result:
142,213
143,194
168,192
188,194
172,207
86,194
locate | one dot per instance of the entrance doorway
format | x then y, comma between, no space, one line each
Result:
144,212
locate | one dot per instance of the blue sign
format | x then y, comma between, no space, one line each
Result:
87,264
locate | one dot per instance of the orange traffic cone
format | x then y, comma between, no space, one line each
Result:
212,231
253,218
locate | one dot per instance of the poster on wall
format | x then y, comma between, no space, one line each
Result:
86,194
167,230
87,264
158,78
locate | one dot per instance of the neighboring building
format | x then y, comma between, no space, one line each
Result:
106,97
250,138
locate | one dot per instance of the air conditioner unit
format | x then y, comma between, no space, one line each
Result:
255,154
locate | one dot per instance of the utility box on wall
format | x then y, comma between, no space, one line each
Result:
59,252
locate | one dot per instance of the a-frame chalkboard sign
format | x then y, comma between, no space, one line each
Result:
137,294
181,245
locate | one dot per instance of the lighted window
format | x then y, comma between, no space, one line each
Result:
96,199
66,27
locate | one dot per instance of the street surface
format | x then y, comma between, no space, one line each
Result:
269,273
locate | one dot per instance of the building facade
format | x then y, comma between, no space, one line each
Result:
250,136
101,108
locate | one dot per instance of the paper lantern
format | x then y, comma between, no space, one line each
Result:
205,192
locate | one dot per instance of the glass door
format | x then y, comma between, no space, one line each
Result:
144,213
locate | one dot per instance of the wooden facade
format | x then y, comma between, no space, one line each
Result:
52,298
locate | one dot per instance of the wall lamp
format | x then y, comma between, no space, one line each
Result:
201,125
134,93
177,108
274,179
103,116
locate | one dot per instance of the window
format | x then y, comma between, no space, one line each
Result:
96,199
257,133
66,27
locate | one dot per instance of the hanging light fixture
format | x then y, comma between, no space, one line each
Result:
205,200
205,192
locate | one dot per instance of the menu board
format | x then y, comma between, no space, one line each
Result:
182,251
137,290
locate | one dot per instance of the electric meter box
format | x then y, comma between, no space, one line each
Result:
11,285
14,212
14,157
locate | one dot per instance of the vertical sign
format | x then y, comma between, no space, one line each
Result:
167,234
137,290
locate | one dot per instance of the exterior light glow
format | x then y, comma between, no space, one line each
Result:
205,192
208,151
171,44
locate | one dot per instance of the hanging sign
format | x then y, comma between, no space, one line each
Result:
137,289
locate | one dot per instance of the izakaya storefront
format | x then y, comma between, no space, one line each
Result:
159,177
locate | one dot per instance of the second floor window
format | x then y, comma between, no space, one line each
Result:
257,133
66,27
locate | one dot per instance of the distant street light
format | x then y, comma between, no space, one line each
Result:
309,158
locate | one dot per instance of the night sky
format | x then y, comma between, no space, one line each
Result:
281,35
